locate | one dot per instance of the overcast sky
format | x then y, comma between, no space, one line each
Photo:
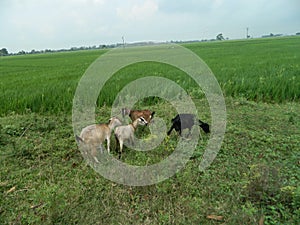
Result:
56,24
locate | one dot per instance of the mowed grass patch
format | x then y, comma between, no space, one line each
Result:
254,177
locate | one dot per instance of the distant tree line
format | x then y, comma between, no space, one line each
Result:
219,37
272,35
4,51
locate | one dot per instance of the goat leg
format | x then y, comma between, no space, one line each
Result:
169,132
108,144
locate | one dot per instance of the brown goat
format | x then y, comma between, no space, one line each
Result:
135,114
94,135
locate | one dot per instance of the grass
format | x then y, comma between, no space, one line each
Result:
260,69
255,175
42,82
253,180
264,70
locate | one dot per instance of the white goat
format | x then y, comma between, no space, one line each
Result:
123,133
94,135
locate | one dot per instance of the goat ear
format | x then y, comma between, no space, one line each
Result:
152,114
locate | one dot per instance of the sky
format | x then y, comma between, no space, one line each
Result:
62,24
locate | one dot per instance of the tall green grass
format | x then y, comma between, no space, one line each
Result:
260,69
42,82
132,72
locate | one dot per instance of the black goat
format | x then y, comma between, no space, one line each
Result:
183,121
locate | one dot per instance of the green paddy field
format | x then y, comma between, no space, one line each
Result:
253,180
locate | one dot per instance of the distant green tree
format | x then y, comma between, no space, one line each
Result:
3,51
21,52
220,37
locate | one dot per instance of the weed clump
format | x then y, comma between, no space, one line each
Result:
266,189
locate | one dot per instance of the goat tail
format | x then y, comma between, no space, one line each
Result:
200,122
204,126
78,139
